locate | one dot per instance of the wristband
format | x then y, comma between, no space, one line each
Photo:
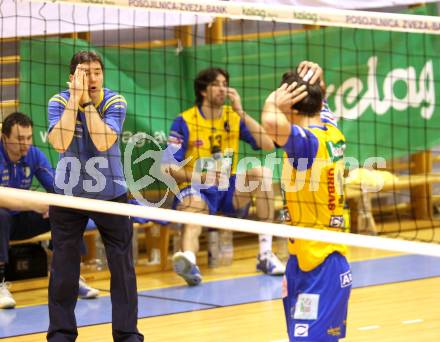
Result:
84,105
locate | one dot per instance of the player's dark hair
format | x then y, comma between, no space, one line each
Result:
84,56
312,103
15,118
204,78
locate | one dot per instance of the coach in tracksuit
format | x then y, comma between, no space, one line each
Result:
85,123
20,161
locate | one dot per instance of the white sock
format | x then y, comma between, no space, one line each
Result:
265,243
190,256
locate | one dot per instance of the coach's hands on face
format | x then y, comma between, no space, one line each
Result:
79,85
235,98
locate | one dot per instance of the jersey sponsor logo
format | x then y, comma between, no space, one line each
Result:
331,189
307,306
301,330
336,221
336,151
346,279
4,176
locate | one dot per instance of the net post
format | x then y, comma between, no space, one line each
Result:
214,32
185,35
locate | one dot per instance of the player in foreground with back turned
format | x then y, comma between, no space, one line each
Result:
317,283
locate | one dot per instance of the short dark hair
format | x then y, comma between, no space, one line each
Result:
312,103
13,119
204,78
84,56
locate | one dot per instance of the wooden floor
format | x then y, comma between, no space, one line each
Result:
408,311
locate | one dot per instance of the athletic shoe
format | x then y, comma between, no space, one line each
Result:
85,291
269,263
186,269
6,300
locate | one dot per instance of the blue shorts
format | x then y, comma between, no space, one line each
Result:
316,302
218,201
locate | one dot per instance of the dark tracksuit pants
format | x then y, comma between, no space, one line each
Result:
20,226
68,226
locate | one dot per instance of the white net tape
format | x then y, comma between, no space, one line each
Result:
226,223
280,13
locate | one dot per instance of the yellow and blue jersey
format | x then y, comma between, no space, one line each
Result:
107,179
313,180
194,136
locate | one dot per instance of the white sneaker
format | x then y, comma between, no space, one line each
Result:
85,291
189,271
6,300
269,263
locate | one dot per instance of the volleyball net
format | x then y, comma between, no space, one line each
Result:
379,70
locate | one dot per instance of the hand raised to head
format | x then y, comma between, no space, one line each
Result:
286,96
309,71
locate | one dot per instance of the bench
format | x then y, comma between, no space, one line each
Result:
362,209
157,240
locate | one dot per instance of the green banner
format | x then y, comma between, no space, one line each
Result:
381,85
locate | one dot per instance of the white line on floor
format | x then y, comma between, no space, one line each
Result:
369,327
413,321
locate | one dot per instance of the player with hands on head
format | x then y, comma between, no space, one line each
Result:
317,283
